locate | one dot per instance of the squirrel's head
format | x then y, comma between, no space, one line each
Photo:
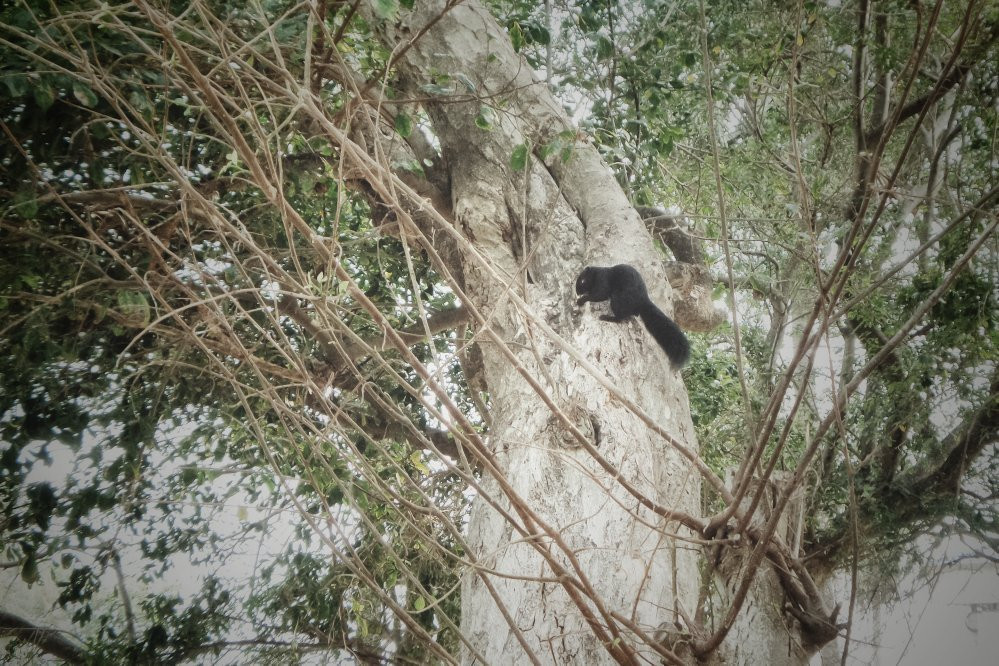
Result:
585,280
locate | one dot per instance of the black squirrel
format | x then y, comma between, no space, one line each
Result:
625,288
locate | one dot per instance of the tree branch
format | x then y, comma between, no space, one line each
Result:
950,79
438,321
960,447
51,641
685,248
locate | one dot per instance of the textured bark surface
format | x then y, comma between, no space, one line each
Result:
532,232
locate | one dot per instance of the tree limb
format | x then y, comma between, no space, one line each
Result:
51,641
950,79
685,248
960,447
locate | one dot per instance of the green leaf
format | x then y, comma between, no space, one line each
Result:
467,82
416,459
42,501
26,203
133,305
552,147
16,82
538,34
84,95
412,166
485,119
517,37
140,100
605,47
44,94
419,603
518,160
563,145
29,570
588,20
403,125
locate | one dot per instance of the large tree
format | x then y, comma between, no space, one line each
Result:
288,303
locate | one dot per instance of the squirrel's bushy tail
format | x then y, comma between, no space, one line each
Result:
667,334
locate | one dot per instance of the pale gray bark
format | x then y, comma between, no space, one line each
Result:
530,233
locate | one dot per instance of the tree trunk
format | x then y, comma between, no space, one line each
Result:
570,564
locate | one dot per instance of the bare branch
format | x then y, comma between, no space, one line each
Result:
51,641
